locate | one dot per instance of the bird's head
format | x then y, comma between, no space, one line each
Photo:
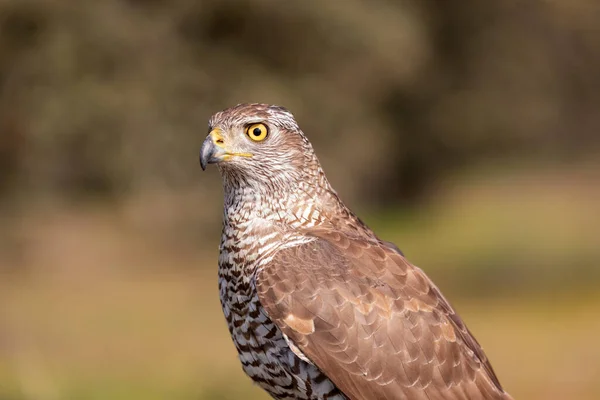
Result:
269,167
258,143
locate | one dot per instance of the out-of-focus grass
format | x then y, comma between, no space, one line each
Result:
164,337
114,336
99,311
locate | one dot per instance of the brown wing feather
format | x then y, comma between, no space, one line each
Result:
373,323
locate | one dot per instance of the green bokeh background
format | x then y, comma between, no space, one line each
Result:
466,132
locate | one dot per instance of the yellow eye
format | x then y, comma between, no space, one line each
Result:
257,132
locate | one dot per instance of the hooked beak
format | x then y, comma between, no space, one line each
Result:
213,149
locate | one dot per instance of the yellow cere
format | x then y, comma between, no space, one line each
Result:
217,137
257,132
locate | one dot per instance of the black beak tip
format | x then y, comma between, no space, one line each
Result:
206,153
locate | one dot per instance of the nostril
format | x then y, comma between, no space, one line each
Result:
219,141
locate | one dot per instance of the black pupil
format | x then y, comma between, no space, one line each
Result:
256,131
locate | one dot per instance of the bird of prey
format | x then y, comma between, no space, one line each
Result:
317,305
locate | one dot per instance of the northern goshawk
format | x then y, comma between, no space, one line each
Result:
317,305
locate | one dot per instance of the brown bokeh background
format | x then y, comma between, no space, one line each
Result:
466,132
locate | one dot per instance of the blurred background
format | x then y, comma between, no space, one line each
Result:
467,132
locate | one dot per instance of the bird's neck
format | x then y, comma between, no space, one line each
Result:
259,210
257,223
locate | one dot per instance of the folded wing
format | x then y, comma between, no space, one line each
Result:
373,323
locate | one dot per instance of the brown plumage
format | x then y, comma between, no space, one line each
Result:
319,307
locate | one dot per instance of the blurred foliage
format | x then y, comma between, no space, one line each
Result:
466,132
112,97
